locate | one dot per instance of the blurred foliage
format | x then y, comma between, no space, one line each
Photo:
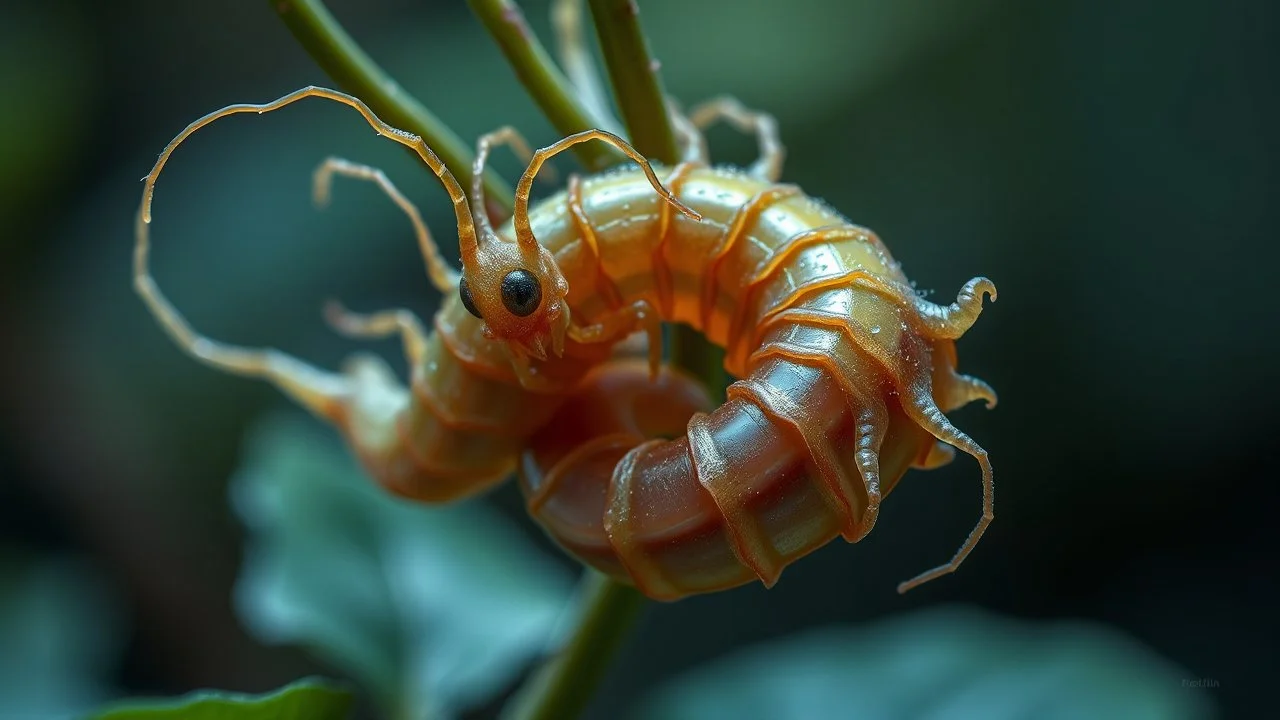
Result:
940,663
42,54
59,638
434,610
849,47
306,699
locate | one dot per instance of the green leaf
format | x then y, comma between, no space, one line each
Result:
432,609
947,663
306,699
57,639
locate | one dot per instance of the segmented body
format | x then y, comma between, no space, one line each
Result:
845,372
837,392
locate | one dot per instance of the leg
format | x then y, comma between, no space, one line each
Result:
524,370
380,325
524,233
324,393
872,424
922,410
466,226
916,399
505,135
693,146
319,391
945,322
952,321
575,58
619,324
763,126
444,277
872,421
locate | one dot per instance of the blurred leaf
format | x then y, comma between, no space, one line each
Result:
57,637
803,56
306,699
949,663
431,609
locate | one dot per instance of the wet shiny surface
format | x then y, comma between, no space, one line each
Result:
824,328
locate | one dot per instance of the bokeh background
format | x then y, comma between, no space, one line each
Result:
1111,165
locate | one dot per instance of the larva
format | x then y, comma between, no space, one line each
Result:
845,372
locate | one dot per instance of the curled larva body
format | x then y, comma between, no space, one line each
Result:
459,426
843,375
846,373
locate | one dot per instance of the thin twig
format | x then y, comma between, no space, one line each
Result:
567,18
690,351
548,87
354,71
638,89
561,689
634,76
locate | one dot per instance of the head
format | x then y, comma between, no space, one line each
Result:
516,288
518,291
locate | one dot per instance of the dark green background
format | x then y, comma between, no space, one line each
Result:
1110,165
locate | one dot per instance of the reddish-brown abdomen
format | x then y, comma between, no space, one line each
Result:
675,540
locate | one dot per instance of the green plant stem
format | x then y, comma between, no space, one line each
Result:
561,688
548,87
689,350
634,76
355,72
638,88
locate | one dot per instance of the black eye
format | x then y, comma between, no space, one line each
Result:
467,302
521,292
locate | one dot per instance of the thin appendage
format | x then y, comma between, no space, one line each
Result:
945,322
505,135
693,145
382,324
924,412
462,213
322,392
952,321
618,324
871,422
965,389
917,402
524,233
575,58
442,275
762,125
525,372
319,391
